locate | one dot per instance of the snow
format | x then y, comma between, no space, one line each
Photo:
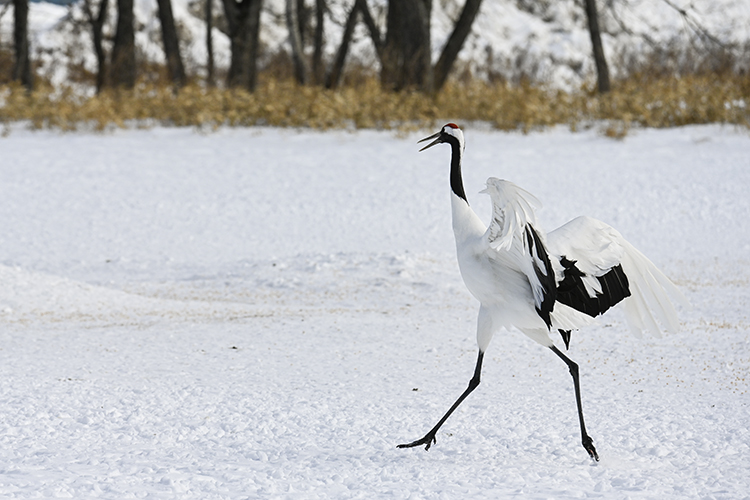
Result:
262,313
549,41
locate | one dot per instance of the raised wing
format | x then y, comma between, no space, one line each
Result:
512,231
598,268
513,209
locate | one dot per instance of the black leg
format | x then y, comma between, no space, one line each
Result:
429,438
588,443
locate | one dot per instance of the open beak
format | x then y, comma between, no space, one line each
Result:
436,141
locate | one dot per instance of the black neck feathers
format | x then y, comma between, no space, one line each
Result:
457,183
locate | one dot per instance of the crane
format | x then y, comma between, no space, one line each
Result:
541,283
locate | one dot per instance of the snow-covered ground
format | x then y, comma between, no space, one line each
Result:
262,313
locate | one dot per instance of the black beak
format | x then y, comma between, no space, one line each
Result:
437,140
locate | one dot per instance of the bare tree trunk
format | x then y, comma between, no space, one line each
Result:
602,70
210,43
419,49
303,14
391,59
254,28
22,65
377,39
171,43
236,14
244,26
123,52
455,42
295,39
317,61
334,77
405,57
97,25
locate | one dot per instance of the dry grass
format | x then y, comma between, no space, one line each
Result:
638,101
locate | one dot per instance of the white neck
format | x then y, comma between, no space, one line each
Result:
466,223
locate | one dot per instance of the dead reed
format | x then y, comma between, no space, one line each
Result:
638,101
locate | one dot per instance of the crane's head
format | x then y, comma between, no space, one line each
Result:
449,133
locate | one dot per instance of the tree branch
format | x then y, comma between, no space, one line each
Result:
455,42
375,35
702,32
334,77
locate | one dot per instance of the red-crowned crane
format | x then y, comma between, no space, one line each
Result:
540,283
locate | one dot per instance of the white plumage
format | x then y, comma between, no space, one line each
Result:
542,283
597,247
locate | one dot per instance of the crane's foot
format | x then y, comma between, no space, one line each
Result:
588,444
428,441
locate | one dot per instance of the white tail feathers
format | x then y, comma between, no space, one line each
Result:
650,302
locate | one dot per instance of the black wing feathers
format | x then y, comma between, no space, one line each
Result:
572,292
546,277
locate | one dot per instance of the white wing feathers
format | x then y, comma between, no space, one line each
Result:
597,247
593,245
650,295
513,211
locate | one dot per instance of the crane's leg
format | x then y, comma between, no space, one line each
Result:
588,443
429,438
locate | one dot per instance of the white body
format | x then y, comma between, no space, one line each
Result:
496,280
